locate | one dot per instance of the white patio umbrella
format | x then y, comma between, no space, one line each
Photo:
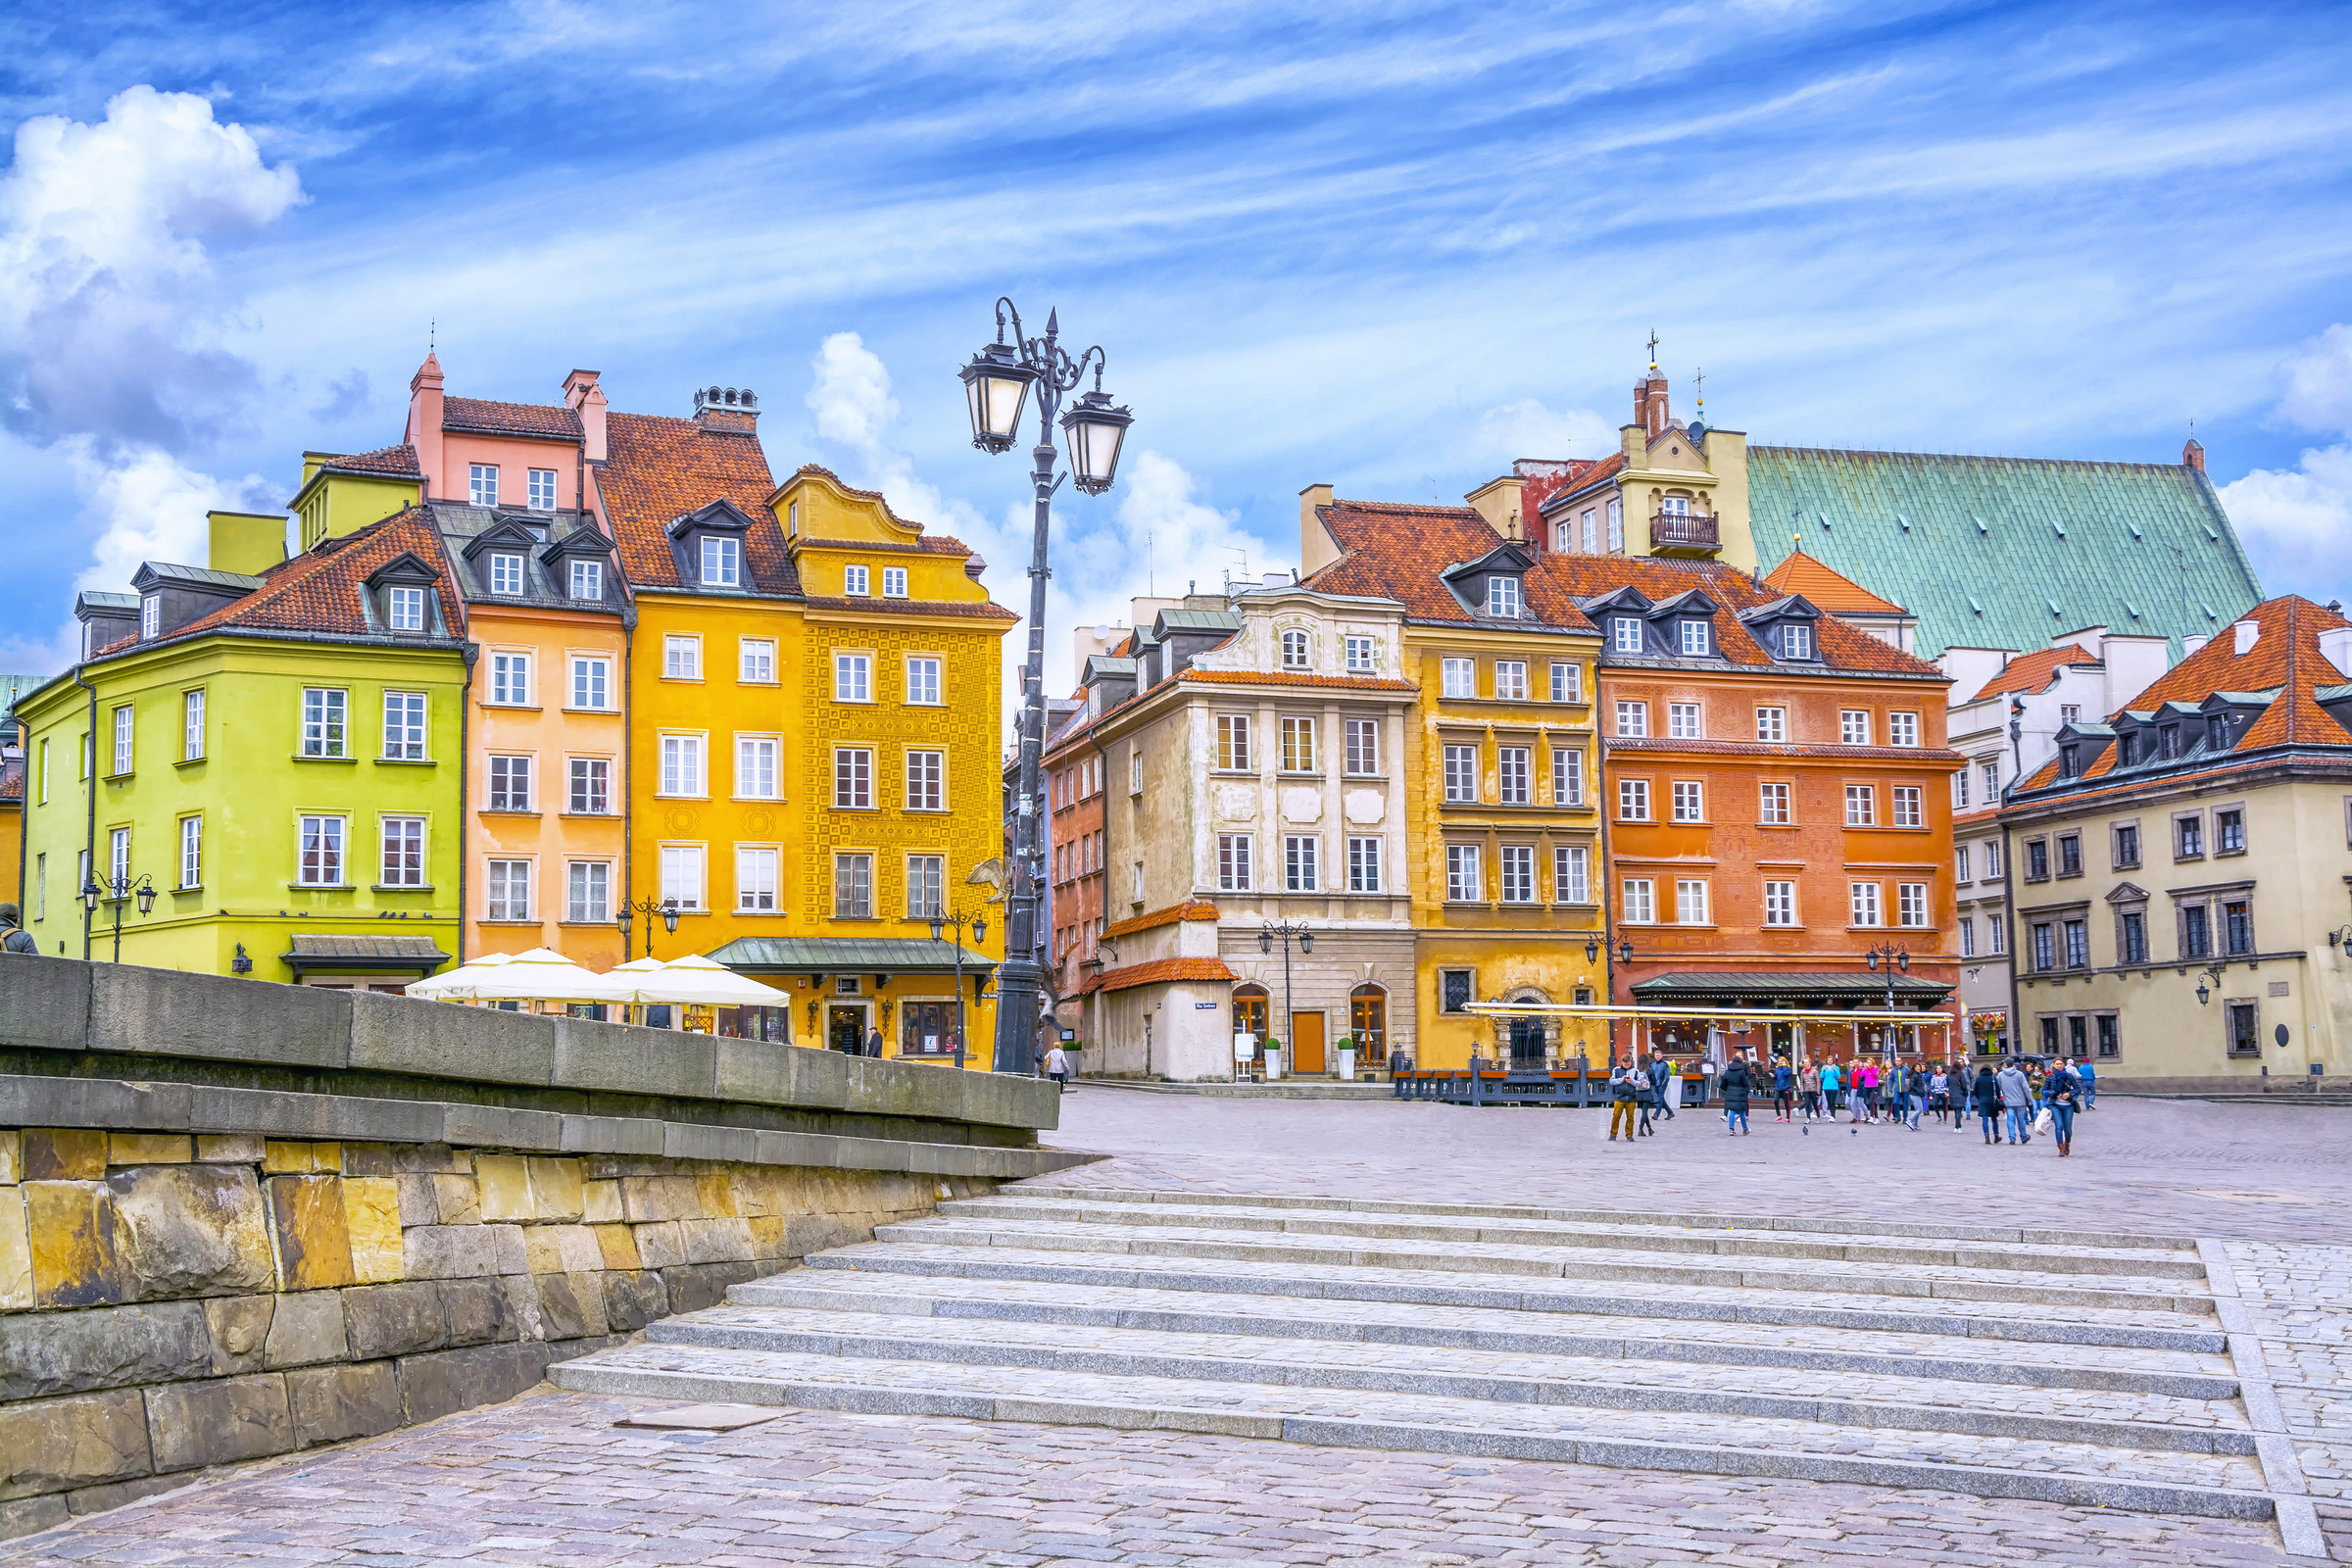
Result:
540,975
698,981
457,985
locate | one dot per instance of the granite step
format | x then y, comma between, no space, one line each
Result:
1986,1464
1628,1261
1855,1398
1826,1304
1600,1338
1827,1242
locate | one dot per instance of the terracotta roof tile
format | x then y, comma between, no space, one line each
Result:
979,609
1159,971
396,460
1589,475
659,469
1191,909
1297,678
2034,672
1825,589
321,590
481,414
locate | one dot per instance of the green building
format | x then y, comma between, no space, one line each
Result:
277,759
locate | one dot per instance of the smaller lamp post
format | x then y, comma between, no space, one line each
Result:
1286,932
958,922
2212,972
118,890
1889,957
1623,953
666,909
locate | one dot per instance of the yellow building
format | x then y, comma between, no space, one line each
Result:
1504,860
813,766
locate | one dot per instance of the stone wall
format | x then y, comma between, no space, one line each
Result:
171,1301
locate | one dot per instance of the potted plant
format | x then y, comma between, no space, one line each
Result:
1273,1051
1346,1058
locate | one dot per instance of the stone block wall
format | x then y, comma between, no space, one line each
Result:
173,1300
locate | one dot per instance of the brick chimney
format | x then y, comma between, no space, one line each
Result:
425,422
726,407
2193,455
1650,402
585,397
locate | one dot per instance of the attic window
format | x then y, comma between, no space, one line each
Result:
2127,749
404,609
893,582
2070,760
853,581
1796,641
151,614
1503,597
1293,649
1625,634
588,579
1697,638
722,561
506,573
2217,733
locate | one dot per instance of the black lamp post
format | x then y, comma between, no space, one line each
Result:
1286,932
117,890
997,385
941,925
666,909
1889,957
1623,953
2213,972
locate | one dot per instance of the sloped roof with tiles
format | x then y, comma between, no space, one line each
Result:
1402,551
2280,674
1191,909
658,469
1825,589
398,461
545,420
2004,552
2034,672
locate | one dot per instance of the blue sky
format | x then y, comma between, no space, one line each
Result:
1390,247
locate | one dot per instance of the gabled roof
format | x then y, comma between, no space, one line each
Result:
2004,552
482,416
322,591
2280,674
2031,674
1832,591
471,533
659,469
1585,476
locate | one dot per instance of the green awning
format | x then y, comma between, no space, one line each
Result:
847,956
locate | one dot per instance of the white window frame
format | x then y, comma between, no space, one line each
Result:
1625,634
1363,656
1780,904
125,738
1457,679
853,677
1865,904
326,722
1690,906
510,681
1633,719
1461,774
1302,862
852,778
1902,729
1909,809
400,834
1294,654
591,683
408,726
481,484
191,852
1514,775
1236,863
507,573
1510,679
1233,744
682,774
1298,744
587,781
893,582
1503,597
926,782
1685,721
191,727
507,888
588,892
926,680
585,580
1515,869
1861,806
508,782
1633,800
1637,900
1567,681
1570,874
682,875
1465,876
756,661
404,608
539,485
1773,803
720,561
1772,725
759,870
1911,904
1854,726
151,614
1363,864
1689,802
682,656
332,829
1696,638
1362,759
926,886
758,767
1567,775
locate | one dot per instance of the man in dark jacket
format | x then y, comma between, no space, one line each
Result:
14,938
1659,1069
1986,1096
1737,1081
1621,1099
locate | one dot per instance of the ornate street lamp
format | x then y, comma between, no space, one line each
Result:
996,386
1287,933
941,925
118,890
1889,957
666,909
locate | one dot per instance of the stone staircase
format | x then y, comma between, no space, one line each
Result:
2064,1366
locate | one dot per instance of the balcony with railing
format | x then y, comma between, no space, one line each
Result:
1684,533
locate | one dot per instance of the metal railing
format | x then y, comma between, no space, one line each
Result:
1684,528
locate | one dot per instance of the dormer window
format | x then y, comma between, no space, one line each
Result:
404,609
1697,639
151,614
1796,641
722,561
852,581
893,582
2070,760
2217,733
2167,738
1503,597
588,580
506,573
1293,649
1625,634
2126,749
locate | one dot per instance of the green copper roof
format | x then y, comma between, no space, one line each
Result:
2009,552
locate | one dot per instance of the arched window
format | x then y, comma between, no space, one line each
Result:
1250,1010
1293,649
1368,1023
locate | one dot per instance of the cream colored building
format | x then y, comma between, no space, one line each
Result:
2181,873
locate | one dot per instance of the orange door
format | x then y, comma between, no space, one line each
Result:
1307,1043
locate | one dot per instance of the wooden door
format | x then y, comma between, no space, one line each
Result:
1307,1043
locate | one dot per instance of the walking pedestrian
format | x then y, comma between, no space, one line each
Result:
1621,1100
1914,1094
1833,1086
1784,1090
1808,1081
1674,1089
2017,1100
2065,1099
1645,1097
1985,1098
2090,1083
1736,1081
1057,1067
1660,1070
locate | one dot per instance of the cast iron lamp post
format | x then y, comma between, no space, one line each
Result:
2213,972
1594,947
1889,957
997,386
118,888
941,925
666,909
1266,936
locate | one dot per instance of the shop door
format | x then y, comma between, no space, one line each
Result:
1307,1043
845,1030
1527,1042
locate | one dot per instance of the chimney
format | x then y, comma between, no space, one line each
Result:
1317,549
425,422
2190,642
1650,402
726,407
2335,645
1498,501
585,397
2193,453
2249,632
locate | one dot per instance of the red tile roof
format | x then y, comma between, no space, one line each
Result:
323,589
399,460
1191,909
2285,659
1825,589
1297,678
1159,971
2035,671
975,609
1588,474
486,418
1399,550
659,469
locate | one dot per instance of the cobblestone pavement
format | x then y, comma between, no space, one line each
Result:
548,1480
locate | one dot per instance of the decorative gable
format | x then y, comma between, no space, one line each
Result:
1786,628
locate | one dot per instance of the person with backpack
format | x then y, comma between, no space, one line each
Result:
2016,1092
1784,1090
16,939
1737,1081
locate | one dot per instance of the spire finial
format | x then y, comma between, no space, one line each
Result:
1699,381
1653,348
432,335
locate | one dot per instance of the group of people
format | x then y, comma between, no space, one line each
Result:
2010,1100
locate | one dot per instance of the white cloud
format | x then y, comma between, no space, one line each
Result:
2304,508
854,410
2318,394
1527,430
105,291
144,506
